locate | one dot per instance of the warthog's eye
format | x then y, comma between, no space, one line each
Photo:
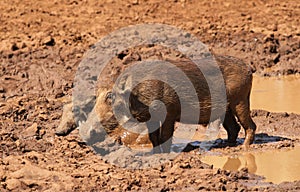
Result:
110,98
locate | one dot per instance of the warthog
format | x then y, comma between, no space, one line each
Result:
237,77
238,80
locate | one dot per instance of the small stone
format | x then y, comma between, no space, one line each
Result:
43,117
117,176
245,170
285,49
23,45
12,184
42,132
14,47
2,90
217,171
67,122
272,27
185,165
49,41
275,27
221,187
135,2
276,58
59,94
18,143
2,175
30,131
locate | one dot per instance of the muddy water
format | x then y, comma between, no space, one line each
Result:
276,166
276,94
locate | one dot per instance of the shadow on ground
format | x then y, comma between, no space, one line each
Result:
260,138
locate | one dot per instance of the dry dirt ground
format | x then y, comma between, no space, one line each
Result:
42,43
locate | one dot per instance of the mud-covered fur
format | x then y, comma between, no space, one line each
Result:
238,81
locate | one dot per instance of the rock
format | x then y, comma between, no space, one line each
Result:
67,122
135,2
35,177
43,117
2,175
31,172
48,41
276,58
30,131
14,47
12,184
185,165
273,27
285,49
2,90
59,94
257,30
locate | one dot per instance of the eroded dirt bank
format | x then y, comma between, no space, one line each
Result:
41,46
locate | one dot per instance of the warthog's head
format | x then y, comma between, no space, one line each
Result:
104,109
111,113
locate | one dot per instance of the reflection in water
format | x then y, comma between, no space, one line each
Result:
234,164
276,94
276,166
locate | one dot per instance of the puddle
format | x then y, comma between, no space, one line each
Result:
276,166
276,94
